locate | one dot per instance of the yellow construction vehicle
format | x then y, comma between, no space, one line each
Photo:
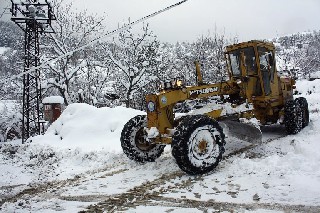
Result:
254,90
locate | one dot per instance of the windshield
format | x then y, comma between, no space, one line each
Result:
249,61
267,68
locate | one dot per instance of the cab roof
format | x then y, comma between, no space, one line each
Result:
252,43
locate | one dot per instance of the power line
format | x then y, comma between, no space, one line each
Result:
120,29
126,26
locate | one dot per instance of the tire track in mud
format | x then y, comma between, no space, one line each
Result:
144,194
35,190
52,188
139,195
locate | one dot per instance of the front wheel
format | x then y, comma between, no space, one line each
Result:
198,144
134,143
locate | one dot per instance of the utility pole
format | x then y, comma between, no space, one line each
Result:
34,17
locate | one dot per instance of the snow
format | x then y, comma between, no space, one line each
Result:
79,162
7,105
153,132
53,100
226,108
3,49
315,75
87,128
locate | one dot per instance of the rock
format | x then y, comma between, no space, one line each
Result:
256,197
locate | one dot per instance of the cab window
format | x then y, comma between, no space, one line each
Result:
250,61
234,62
267,68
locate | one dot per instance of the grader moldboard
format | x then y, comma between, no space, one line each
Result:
198,141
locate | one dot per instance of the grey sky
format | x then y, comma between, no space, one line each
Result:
247,19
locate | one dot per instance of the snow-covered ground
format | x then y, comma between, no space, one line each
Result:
79,162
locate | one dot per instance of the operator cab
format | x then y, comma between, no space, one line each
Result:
252,62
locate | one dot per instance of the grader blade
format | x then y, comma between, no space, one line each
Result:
243,131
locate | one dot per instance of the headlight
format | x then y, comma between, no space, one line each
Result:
179,83
173,84
151,106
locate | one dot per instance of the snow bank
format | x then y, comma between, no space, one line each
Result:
87,128
305,87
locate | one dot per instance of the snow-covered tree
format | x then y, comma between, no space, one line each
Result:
95,80
313,54
134,57
11,65
10,120
209,51
298,54
11,60
72,30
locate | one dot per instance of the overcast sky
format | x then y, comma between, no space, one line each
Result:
247,19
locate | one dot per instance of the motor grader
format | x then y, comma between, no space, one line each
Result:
198,139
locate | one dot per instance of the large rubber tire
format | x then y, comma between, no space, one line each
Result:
134,144
303,103
292,117
198,144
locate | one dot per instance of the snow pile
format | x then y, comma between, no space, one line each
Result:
87,128
84,138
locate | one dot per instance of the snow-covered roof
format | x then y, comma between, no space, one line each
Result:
53,100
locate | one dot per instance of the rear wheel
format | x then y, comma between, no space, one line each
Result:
305,110
134,143
293,117
198,144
